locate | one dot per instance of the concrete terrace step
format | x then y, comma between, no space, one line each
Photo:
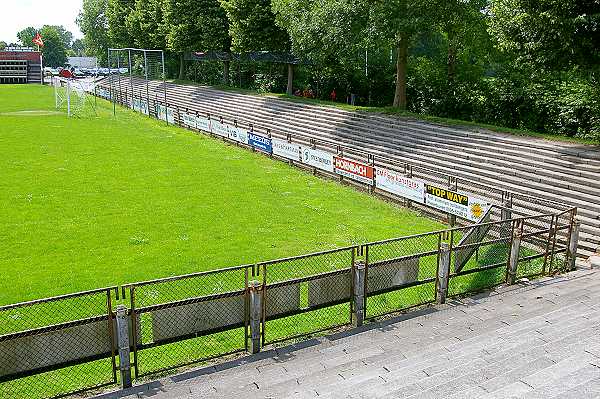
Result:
537,340
563,171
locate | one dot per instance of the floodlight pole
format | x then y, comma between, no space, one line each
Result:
162,54
147,90
112,94
130,78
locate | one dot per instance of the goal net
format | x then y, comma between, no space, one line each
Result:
74,96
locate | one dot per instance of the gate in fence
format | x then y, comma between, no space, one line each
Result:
70,343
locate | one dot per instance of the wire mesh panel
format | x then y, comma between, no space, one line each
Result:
535,250
189,319
401,273
57,346
306,294
479,254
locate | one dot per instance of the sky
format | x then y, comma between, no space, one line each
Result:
16,15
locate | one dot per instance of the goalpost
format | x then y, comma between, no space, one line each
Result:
73,94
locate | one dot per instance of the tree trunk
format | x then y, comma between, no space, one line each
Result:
226,73
451,54
290,80
182,67
401,67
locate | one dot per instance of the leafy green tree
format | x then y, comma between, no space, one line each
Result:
3,45
554,34
196,25
252,26
65,35
26,36
77,48
55,49
93,22
117,12
145,24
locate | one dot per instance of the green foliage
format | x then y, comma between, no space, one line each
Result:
252,26
196,25
3,45
554,34
78,48
93,22
146,24
26,36
118,33
55,48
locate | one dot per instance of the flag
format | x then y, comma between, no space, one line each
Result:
38,40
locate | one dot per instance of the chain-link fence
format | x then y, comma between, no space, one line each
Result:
57,346
401,273
183,320
306,294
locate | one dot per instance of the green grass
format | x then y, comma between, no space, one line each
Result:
406,114
96,201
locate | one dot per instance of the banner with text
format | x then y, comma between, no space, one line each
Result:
455,203
396,183
353,170
188,119
166,114
238,134
203,123
317,158
261,143
285,149
220,129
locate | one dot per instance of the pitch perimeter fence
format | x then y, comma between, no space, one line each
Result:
58,346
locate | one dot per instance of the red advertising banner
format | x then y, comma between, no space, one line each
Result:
353,170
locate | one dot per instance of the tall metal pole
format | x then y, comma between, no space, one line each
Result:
112,94
119,73
130,79
162,53
146,75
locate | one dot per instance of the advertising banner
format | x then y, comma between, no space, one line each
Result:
353,170
396,183
203,123
135,105
286,150
238,134
261,143
319,159
218,128
455,203
166,114
188,119
144,107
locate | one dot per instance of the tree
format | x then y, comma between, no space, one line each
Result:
117,12
54,50
196,25
93,22
337,28
78,48
145,24
3,45
65,35
26,36
252,26
552,34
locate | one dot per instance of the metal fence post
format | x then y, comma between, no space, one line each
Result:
574,239
513,259
254,288
443,273
123,340
359,294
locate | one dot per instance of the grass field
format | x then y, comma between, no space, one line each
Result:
96,201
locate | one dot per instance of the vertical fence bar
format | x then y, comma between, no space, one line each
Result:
573,241
443,273
513,258
124,346
111,332
134,329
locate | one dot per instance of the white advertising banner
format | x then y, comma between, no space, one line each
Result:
396,183
188,119
317,158
455,203
166,114
203,123
286,150
220,129
238,134
143,106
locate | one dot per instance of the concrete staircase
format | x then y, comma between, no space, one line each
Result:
563,172
531,340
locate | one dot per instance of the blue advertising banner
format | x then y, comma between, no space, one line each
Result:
260,142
